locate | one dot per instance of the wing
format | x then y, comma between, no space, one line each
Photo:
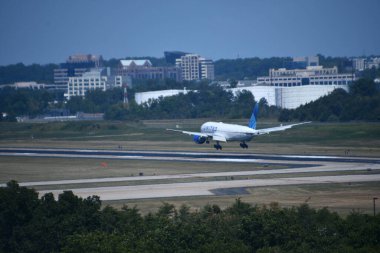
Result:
190,133
215,137
279,128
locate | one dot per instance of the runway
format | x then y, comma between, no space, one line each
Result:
176,155
322,168
349,170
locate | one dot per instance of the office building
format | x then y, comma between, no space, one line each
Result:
143,69
95,79
75,66
359,64
195,67
312,75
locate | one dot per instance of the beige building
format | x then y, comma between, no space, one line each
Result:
195,67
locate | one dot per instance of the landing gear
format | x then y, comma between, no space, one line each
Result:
243,145
217,146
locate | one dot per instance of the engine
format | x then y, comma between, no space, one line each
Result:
199,139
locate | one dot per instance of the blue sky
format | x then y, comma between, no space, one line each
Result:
44,31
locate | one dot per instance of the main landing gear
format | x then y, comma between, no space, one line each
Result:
243,145
217,146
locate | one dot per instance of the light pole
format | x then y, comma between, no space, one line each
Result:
374,206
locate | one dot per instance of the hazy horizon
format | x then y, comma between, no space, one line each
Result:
44,31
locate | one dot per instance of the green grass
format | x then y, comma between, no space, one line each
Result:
326,133
361,138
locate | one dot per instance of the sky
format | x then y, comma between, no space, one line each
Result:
48,31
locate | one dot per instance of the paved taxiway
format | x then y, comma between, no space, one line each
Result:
175,155
204,188
299,164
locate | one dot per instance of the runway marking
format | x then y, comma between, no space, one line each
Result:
203,188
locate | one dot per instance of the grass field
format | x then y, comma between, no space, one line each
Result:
39,169
361,139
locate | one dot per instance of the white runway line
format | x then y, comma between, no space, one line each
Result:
203,188
335,168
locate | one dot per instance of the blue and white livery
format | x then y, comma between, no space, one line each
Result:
222,132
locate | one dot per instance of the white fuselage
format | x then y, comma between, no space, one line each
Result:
231,132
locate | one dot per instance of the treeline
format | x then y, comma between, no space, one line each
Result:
73,224
362,102
247,68
20,73
238,69
19,102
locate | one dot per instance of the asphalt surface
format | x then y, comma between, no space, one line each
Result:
204,188
322,168
175,155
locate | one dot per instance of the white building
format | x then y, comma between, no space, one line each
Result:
92,80
312,75
195,67
143,97
373,63
78,86
358,64
285,88
207,69
27,85
284,97
131,64
289,97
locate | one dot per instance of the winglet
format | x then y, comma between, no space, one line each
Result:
252,121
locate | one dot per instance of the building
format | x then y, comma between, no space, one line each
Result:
359,64
304,62
207,69
283,97
287,88
312,75
144,97
95,79
143,69
373,62
75,66
195,67
27,85
290,97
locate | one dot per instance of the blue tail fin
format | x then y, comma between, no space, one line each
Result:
252,121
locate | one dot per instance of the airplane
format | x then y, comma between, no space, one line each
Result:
223,132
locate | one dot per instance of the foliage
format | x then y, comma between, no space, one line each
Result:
73,224
17,102
20,73
95,101
206,102
247,68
